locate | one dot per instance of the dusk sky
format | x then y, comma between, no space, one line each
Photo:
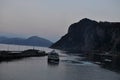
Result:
50,19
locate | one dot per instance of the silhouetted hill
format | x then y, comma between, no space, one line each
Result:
89,35
32,41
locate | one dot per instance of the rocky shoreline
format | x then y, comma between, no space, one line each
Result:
106,60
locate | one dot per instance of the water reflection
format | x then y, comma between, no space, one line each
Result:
53,63
69,68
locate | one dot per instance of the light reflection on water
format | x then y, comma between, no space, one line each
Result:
69,68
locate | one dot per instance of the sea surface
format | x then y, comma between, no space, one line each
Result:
70,67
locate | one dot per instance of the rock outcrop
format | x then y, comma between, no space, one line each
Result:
89,35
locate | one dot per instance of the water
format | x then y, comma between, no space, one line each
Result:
36,68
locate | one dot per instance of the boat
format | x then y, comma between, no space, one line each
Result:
53,57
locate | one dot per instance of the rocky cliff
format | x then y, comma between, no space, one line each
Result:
89,35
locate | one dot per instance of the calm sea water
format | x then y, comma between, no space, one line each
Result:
70,67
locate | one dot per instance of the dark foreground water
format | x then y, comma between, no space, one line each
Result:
69,68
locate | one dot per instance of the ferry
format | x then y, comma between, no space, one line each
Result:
53,57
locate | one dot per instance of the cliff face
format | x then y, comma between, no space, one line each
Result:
89,35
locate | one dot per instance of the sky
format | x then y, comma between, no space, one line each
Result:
51,19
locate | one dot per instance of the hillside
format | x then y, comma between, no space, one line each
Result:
32,41
90,35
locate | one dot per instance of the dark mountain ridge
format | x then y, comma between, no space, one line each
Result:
31,41
89,35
